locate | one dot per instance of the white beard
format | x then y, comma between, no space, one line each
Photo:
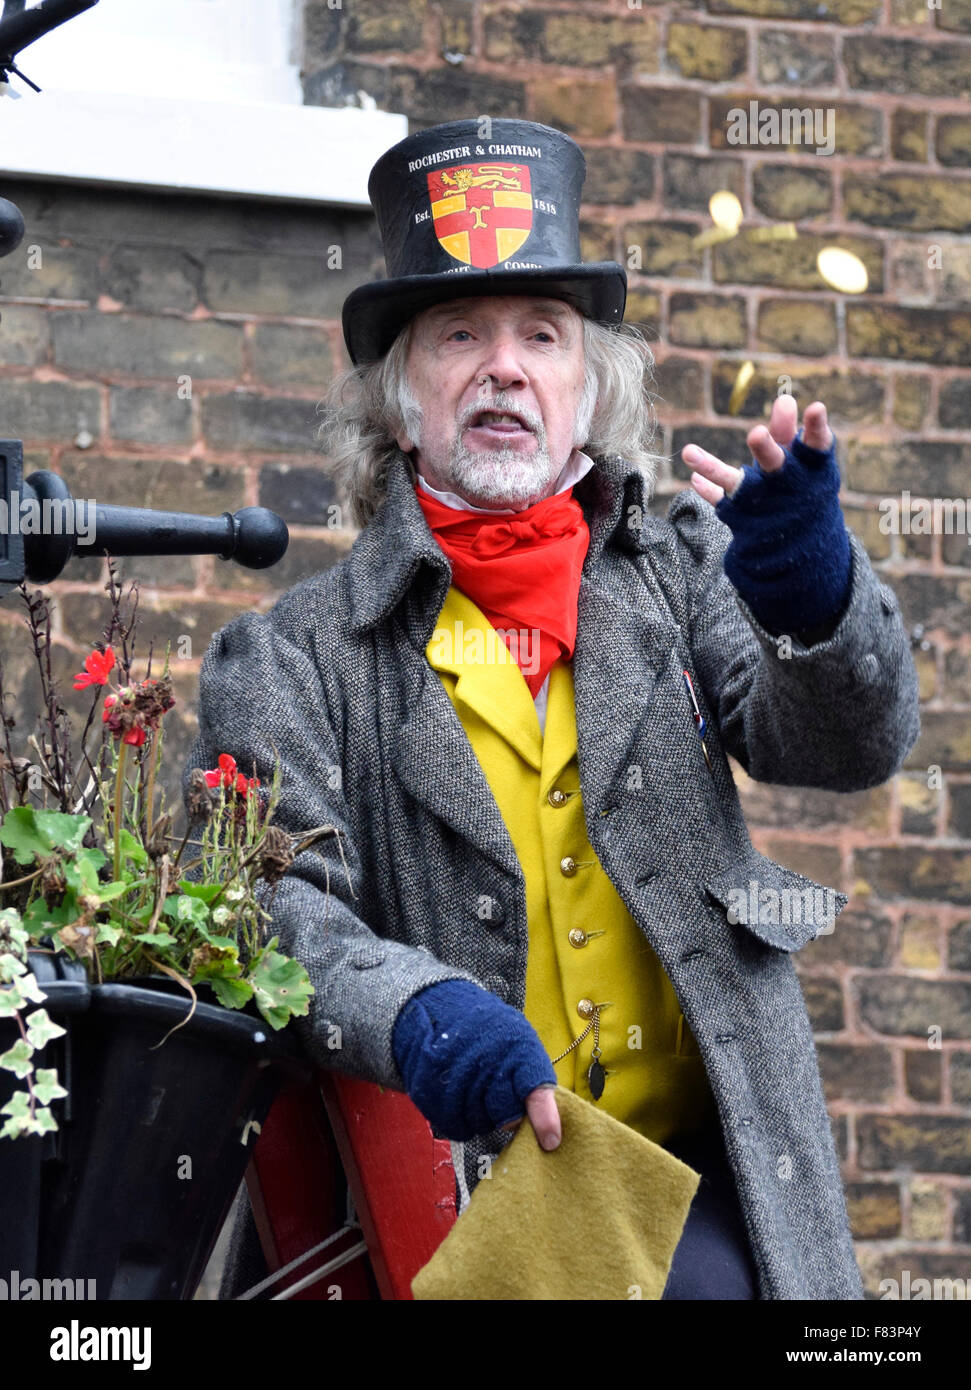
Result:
502,477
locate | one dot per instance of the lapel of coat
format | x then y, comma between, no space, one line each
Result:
398,573
626,627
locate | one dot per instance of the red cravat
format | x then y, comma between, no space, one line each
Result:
523,572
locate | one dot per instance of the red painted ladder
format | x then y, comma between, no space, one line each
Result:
336,1138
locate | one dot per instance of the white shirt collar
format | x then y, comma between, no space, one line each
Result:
575,468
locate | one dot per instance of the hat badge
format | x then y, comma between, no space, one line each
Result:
482,213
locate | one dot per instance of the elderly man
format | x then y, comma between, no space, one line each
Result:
515,698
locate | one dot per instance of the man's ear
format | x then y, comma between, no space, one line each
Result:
404,443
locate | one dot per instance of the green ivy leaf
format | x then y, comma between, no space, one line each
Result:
11,1000
17,1059
46,1086
30,989
42,1123
41,1028
282,988
11,967
18,1106
12,927
14,1128
108,931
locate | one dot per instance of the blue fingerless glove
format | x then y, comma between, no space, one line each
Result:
468,1060
790,557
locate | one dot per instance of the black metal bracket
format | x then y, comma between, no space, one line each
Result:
42,527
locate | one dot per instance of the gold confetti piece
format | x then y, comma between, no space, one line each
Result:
741,388
842,270
726,211
710,236
782,231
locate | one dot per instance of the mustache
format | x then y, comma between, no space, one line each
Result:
505,404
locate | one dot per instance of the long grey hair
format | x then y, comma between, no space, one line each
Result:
367,406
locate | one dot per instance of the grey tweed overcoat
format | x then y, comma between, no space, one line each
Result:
335,676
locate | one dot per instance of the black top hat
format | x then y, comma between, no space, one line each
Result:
462,213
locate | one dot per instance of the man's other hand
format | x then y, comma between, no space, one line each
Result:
543,1115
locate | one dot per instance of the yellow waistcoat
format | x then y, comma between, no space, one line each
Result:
583,943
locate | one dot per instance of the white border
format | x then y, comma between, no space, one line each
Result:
269,150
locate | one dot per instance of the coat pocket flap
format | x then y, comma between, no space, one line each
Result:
781,907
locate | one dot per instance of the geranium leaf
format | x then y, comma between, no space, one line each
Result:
183,908
21,834
63,830
282,987
107,891
232,994
222,943
204,891
41,920
132,849
157,938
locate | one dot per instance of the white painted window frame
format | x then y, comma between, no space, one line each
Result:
167,95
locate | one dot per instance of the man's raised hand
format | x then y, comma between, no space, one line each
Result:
790,558
713,478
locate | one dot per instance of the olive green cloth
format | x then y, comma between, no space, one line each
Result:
597,1218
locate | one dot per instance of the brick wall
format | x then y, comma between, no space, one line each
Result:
136,290
169,352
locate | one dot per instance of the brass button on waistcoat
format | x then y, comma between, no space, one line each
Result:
585,1008
556,797
578,937
568,866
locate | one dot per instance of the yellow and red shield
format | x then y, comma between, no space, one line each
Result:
482,212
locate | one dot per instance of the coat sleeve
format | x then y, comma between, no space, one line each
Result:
258,688
842,713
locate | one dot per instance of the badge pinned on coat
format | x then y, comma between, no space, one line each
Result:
700,722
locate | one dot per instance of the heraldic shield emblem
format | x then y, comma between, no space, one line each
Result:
483,213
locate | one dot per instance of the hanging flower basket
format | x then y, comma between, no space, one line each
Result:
127,1197
143,1002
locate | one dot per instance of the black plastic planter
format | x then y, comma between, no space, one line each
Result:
133,1189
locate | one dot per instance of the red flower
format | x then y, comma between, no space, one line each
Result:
138,709
96,669
134,735
228,775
